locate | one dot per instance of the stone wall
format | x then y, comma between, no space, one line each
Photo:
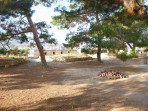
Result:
57,52
36,54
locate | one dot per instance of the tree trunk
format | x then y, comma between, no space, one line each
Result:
99,50
36,39
99,53
99,39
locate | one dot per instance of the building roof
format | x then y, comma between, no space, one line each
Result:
54,47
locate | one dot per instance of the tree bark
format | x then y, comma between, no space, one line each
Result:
36,39
99,39
99,53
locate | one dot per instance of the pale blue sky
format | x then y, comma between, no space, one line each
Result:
44,14
146,2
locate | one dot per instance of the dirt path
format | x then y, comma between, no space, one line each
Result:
73,87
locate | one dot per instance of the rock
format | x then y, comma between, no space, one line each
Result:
111,74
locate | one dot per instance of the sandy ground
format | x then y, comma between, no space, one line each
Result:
74,87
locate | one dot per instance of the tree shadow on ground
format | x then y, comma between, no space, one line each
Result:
33,75
95,95
27,77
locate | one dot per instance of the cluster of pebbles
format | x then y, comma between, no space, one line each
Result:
112,74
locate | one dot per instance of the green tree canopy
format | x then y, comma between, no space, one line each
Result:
104,20
16,21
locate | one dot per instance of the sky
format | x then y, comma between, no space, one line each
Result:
44,14
146,2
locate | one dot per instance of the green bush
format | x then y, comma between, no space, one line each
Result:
122,56
146,50
15,51
23,52
88,51
3,51
133,54
20,52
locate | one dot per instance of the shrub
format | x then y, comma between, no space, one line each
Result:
146,49
20,52
122,56
23,52
15,51
3,51
133,54
88,51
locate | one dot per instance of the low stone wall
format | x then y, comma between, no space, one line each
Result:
11,62
69,59
57,52
78,59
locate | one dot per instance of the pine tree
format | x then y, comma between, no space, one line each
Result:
16,21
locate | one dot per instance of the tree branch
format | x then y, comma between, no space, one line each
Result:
6,37
123,40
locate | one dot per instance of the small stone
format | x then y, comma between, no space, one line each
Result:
111,74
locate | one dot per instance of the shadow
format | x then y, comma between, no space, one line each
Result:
96,97
80,88
32,75
28,76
